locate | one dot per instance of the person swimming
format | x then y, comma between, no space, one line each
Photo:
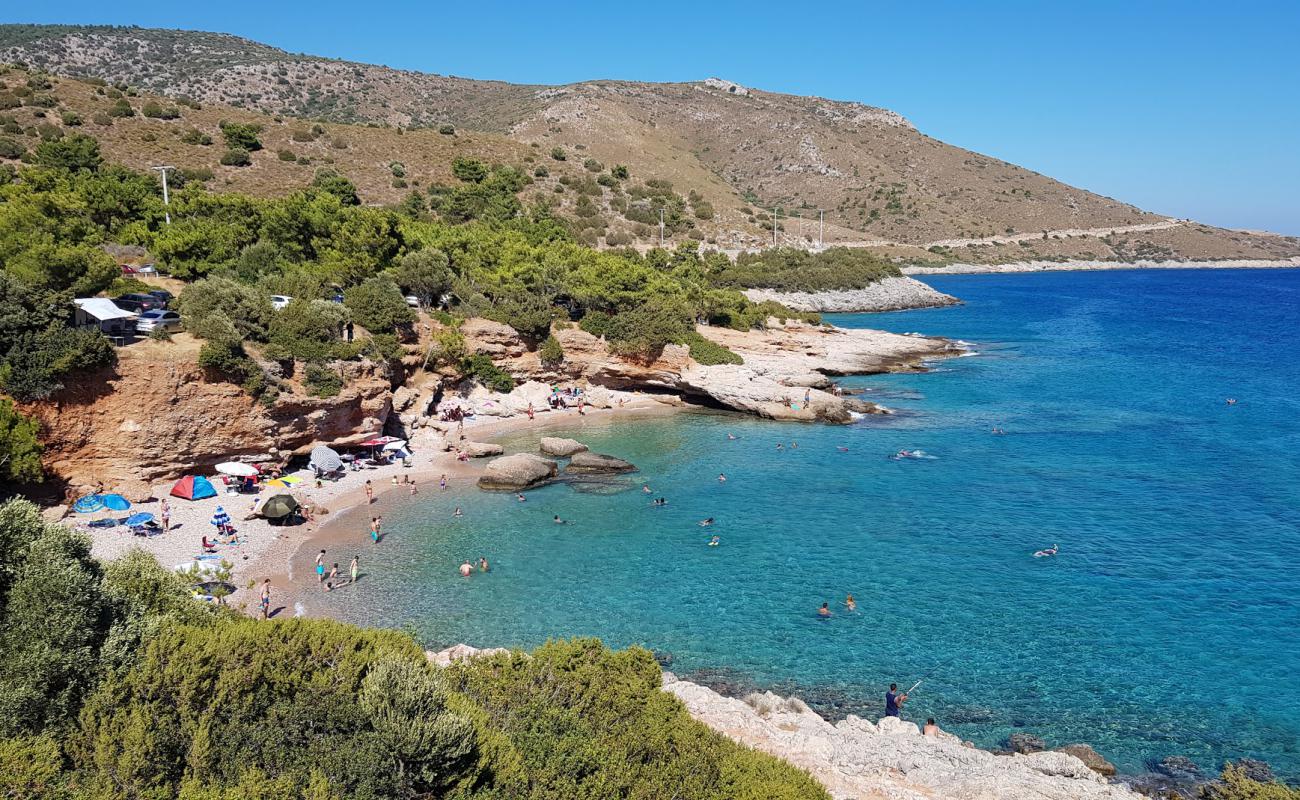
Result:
466,570
722,477
715,541
483,564
521,498
1232,401
825,610
1051,551
559,521
850,603
780,446
645,488
706,522
458,512
731,437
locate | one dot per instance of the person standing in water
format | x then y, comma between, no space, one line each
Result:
466,570
824,611
370,492
442,482
320,567
352,568
850,603
266,599
483,564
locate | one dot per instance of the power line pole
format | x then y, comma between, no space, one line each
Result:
821,229
774,220
167,214
661,228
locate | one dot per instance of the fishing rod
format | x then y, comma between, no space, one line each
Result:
918,683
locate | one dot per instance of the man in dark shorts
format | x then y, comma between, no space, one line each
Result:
894,701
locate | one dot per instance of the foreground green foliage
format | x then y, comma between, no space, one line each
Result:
1234,785
116,684
20,450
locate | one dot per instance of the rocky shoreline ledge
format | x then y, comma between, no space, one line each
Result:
887,294
888,760
1078,266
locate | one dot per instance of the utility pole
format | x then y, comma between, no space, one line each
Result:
166,200
774,219
661,228
821,229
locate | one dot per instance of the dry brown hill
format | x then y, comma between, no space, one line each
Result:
732,154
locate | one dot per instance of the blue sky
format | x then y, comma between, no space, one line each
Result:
1186,108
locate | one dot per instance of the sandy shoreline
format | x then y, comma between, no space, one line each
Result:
289,562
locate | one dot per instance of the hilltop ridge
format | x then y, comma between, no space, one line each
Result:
727,158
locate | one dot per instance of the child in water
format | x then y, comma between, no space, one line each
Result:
850,603
715,541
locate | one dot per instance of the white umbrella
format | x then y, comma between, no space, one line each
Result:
395,445
237,468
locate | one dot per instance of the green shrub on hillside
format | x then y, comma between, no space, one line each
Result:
378,306
236,157
710,353
447,130
20,449
121,108
558,154
241,135
551,352
480,368
322,381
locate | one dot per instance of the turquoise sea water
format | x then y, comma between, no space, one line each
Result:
1167,624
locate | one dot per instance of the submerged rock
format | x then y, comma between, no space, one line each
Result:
562,448
519,471
1025,743
1090,757
1180,768
599,464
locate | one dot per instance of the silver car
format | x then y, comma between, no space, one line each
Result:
158,318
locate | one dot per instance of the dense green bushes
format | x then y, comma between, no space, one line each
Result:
135,690
789,269
710,353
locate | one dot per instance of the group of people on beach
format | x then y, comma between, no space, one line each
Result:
327,578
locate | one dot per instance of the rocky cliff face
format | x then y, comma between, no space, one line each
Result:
889,760
785,374
151,420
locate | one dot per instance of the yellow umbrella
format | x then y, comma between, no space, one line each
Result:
283,483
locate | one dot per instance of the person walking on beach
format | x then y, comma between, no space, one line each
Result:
374,529
894,701
266,599
320,567
530,412
165,511
352,568
370,492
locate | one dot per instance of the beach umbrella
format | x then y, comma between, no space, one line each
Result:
88,504
325,460
139,519
279,506
396,444
237,468
115,502
220,517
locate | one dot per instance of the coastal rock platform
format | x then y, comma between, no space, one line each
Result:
887,294
856,758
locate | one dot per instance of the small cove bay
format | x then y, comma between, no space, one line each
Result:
1167,625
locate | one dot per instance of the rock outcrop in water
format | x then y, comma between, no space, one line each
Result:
519,471
888,294
560,447
890,760
598,464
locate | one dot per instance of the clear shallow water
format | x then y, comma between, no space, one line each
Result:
1167,625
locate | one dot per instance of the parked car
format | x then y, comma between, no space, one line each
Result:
137,303
151,321
163,295
412,301
279,301
138,269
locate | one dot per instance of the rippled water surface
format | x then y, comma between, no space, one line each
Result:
1167,624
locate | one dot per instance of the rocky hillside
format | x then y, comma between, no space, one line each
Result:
722,157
